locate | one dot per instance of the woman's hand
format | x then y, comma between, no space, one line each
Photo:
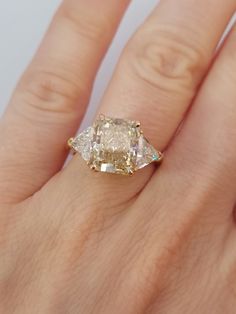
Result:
162,241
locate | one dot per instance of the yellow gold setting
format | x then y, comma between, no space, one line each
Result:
115,146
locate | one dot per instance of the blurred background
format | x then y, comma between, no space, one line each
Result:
22,26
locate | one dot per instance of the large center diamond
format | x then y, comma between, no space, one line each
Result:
115,146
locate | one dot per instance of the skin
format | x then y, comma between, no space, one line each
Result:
162,241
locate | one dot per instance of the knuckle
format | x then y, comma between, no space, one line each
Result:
47,91
166,60
86,26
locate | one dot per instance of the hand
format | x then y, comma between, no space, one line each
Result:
162,241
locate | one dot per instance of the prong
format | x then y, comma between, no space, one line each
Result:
161,156
138,124
102,117
130,173
92,167
70,142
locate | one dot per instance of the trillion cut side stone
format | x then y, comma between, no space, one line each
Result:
146,153
115,146
83,143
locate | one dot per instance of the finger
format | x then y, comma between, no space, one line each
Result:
163,64
51,97
194,191
158,75
203,155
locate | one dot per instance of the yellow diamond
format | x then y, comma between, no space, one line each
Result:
115,145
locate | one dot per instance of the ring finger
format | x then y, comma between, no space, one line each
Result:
163,65
160,71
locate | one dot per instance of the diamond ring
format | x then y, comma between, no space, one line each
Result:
115,146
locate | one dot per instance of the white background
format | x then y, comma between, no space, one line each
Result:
22,25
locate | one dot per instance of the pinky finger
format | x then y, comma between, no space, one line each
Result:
205,146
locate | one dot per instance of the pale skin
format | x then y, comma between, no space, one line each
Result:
161,241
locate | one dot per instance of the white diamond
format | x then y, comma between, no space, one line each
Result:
146,153
83,143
